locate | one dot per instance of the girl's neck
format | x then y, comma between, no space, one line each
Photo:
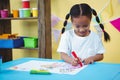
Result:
83,36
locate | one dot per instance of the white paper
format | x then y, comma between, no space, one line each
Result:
53,67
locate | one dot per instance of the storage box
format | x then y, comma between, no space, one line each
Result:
30,42
12,43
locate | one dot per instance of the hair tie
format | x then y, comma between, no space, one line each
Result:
91,10
103,30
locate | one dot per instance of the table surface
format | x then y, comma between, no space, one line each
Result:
95,71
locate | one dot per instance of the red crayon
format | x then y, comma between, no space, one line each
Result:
75,56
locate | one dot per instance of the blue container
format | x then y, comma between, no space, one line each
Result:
21,14
0,62
11,43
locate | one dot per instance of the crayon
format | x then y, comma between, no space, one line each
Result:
42,72
75,56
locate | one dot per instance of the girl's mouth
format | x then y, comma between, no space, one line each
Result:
82,33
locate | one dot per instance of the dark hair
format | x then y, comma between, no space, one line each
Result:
84,10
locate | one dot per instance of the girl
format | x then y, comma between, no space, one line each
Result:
86,43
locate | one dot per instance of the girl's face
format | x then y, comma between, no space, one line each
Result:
81,25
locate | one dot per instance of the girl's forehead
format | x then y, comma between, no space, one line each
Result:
81,19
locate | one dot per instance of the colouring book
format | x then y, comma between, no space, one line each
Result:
53,67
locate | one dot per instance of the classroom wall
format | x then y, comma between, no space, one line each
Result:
59,8
108,12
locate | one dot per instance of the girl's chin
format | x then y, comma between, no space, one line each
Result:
82,35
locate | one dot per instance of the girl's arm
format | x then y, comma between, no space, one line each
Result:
68,59
97,57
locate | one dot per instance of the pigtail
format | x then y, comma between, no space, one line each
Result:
106,35
65,23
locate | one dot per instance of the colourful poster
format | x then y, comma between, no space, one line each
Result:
54,20
56,34
116,24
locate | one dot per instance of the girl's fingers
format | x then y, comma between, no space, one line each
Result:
75,62
87,61
75,59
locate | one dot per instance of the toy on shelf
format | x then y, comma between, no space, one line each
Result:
9,36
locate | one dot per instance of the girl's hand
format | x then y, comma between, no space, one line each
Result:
88,60
75,61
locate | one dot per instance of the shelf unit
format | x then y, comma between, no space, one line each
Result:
44,29
10,18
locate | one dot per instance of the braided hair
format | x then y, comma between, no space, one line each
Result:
84,10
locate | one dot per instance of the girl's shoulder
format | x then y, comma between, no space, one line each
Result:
69,32
94,35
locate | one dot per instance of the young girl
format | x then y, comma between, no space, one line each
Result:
85,43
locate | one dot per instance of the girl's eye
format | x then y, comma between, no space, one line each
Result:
77,26
85,25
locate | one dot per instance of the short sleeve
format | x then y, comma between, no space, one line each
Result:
99,46
63,44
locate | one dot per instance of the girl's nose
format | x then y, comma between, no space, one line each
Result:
81,29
